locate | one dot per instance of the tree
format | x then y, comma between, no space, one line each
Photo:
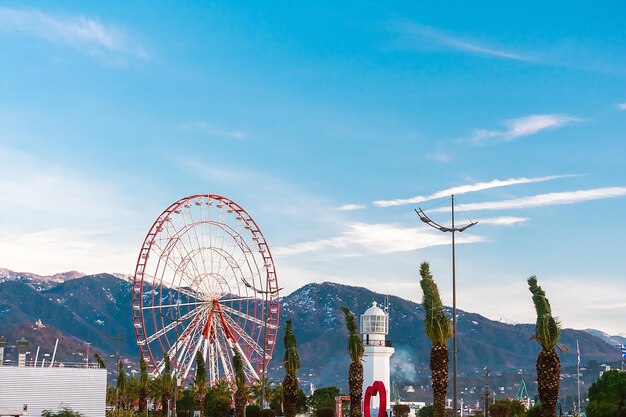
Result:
438,330
64,412
426,411
606,395
355,373
131,393
324,398
255,392
121,386
518,409
199,384
534,411
99,360
291,363
167,384
241,395
547,333
218,400
301,405
186,405
276,397
507,408
401,410
500,409
144,385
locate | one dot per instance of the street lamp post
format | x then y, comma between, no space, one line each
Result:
423,217
117,340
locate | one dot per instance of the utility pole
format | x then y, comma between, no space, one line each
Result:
88,343
423,217
487,389
117,340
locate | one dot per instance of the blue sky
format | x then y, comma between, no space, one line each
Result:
329,123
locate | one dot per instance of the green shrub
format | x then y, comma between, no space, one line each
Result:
64,412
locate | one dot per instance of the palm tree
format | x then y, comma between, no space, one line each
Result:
121,385
155,391
547,332
276,397
167,385
241,395
218,399
199,384
99,361
257,388
143,386
438,330
131,393
355,373
291,362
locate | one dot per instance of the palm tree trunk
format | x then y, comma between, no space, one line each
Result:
290,395
355,381
241,400
548,381
198,398
439,370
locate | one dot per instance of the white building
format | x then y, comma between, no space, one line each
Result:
33,389
378,350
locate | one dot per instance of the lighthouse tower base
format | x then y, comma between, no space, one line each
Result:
376,368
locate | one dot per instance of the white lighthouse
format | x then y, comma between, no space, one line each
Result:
378,350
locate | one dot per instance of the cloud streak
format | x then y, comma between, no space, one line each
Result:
423,38
81,32
549,199
362,238
469,188
522,126
502,221
621,106
350,207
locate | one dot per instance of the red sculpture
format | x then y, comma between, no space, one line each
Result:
377,388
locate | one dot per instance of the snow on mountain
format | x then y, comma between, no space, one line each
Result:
38,282
613,340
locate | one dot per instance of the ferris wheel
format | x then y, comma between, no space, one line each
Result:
205,282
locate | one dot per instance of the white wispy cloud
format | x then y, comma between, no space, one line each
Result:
422,37
549,199
468,188
621,106
350,207
523,126
211,129
502,221
88,35
362,238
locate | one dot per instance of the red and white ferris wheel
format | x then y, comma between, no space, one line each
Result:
205,282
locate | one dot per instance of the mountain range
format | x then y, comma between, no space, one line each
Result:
97,308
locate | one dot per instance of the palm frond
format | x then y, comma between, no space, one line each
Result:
355,342
436,322
547,327
291,360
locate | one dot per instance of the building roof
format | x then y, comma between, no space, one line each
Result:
374,310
